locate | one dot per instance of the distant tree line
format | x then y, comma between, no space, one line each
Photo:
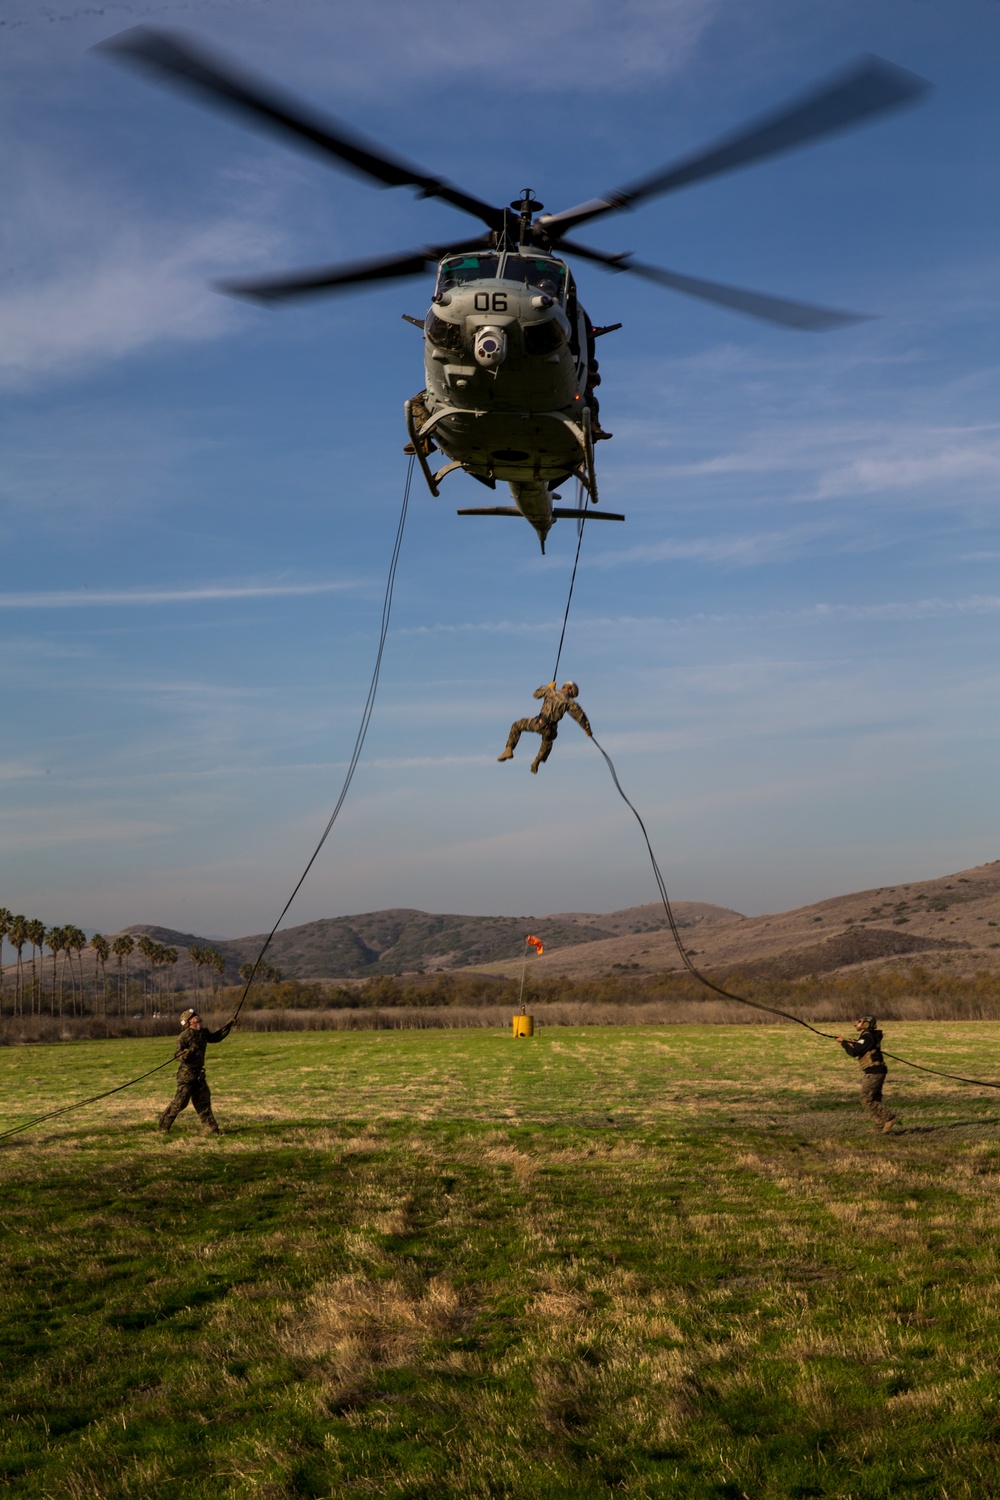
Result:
886,991
62,988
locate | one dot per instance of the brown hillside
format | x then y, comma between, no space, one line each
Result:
953,920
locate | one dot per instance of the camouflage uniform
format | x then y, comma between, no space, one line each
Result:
868,1050
192,1085
420,415
556,704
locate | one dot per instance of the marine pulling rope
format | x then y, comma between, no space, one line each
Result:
692,969
352,767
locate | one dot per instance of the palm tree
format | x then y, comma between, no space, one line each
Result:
54,940
196,956
17,936
102,949
147,948
157,957
36,937
122,947
169,956
76,941
218,963
5,920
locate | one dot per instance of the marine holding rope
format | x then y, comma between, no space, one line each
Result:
192,1085
557,702
868,1050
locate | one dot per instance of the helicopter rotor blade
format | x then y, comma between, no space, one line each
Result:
339,277
801,315
174,59
869,88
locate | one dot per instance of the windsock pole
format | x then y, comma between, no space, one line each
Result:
523,1024
530,942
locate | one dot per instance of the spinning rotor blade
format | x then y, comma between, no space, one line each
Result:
334,278
803,315
868,89
173,58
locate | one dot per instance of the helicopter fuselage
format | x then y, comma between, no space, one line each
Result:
508,360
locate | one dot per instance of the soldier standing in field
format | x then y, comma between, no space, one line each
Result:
192,1085
868,1050
557,702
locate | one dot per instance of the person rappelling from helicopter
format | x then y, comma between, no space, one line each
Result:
557,702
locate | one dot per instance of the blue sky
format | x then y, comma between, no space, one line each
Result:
789,647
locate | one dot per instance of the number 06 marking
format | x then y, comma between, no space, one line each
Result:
487,302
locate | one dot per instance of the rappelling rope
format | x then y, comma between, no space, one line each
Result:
675,930
366,715
81,1102
581,523
692,969
696,973
352,767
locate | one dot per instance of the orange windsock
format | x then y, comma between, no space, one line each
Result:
534,942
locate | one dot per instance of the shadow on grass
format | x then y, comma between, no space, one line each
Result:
953,1125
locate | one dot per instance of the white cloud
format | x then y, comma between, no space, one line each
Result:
747,550
907,470
32,830
91,276
541,46
76,598
916,609
96,303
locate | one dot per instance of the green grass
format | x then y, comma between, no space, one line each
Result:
645,1262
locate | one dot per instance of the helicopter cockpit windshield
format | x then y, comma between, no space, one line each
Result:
462,268
545,275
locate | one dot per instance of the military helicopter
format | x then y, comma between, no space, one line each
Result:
510,366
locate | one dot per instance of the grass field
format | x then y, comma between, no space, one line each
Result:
668,1261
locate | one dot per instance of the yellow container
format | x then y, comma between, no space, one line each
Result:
523,1025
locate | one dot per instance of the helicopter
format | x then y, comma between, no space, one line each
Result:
509,350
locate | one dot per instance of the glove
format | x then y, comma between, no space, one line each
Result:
590,734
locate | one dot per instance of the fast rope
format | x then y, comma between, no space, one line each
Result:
366,715
696,973
703,979
352,767
581,523
38,1120
692,969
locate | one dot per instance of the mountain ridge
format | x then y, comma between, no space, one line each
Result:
398,940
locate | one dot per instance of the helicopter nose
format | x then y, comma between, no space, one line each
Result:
490,347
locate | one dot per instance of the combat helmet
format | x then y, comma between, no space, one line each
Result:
866,1023
570,689
186,1016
